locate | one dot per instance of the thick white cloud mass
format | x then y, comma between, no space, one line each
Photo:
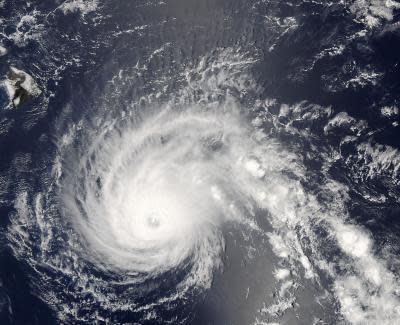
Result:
150,191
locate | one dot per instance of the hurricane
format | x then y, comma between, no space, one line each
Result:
153,195
177,186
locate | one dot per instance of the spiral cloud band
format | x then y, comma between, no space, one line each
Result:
156,193
148,199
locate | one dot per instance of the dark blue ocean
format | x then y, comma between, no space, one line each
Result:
305,94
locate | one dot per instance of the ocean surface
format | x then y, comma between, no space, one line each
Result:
200,162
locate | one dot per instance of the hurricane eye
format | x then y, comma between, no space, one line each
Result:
153,220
